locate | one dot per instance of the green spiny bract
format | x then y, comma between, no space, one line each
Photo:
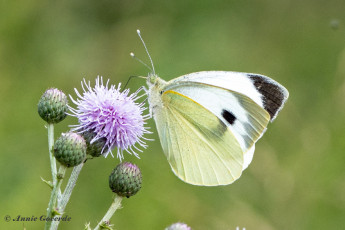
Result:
70,149
125,179
52,106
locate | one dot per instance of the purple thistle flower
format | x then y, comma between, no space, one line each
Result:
111,114
178,226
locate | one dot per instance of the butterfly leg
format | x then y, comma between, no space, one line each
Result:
147,93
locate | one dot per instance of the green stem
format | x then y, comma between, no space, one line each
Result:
67,193
51,154
51,151
70,185
54,195
114,206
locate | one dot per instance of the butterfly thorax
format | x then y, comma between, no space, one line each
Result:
156,86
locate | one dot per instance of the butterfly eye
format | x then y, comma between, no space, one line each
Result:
152,79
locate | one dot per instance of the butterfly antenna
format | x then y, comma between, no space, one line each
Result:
133,56
148,54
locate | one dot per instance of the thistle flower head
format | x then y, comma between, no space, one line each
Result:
70,149
52,106
94,148
112,115
125,179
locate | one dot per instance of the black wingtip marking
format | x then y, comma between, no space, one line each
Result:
228,116
273,94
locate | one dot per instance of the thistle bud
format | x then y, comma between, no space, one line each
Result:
96,147
178,226
52,106
125,179
70,149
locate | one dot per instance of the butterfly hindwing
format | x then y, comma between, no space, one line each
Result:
200,147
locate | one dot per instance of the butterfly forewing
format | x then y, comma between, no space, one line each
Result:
263,90
200,147
245,119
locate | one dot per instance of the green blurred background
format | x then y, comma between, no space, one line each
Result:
297,177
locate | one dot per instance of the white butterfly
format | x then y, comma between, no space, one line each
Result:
208,122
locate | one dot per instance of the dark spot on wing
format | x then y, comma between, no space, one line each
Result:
228,116
273,95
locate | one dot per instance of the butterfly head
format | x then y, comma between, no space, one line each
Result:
152,79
